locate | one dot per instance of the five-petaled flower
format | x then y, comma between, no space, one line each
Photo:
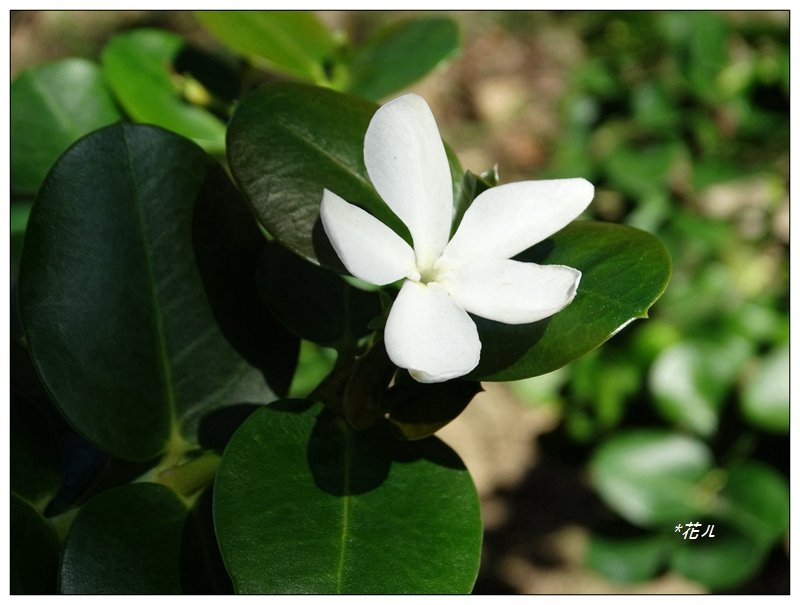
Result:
429,330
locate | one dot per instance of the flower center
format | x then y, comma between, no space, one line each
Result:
427,273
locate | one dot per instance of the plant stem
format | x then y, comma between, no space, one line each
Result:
189,478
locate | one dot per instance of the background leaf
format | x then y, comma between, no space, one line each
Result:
691,379
304,504
756,499
719,563
399,55
139,67
765,396
52,106
295,43
115,309
125,541
650,476
629,559
624,271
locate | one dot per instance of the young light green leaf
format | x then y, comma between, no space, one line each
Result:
305,504
294,43
52,106
399,54
138,66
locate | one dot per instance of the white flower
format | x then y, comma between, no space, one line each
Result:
429,330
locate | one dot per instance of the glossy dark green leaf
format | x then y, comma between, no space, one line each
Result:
472,186
367,381
202,568
52,106
755,498
304,504
400,54
285,147
624,271
691,379
34,551
314,303
125,540
286,143
138,66
720,563
419,410
120,321
228,245
765,396
651,477
295,43
628,559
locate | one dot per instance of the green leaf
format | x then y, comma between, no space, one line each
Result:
765,396
34,551
314,303
707,53
35,454
719,563
651,477
624,271
125,540
285,146
202,568
471,187
690,380
400,54
627,560
294,43
139,68
120,321
419,410
52,106
304,504
755,498
642,172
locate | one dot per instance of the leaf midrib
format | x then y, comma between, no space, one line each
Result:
162,348
346,459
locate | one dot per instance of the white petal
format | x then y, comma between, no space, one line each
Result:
369,249
505,220
429,334
510,291
407,164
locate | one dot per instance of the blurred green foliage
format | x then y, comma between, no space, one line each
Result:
681,120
